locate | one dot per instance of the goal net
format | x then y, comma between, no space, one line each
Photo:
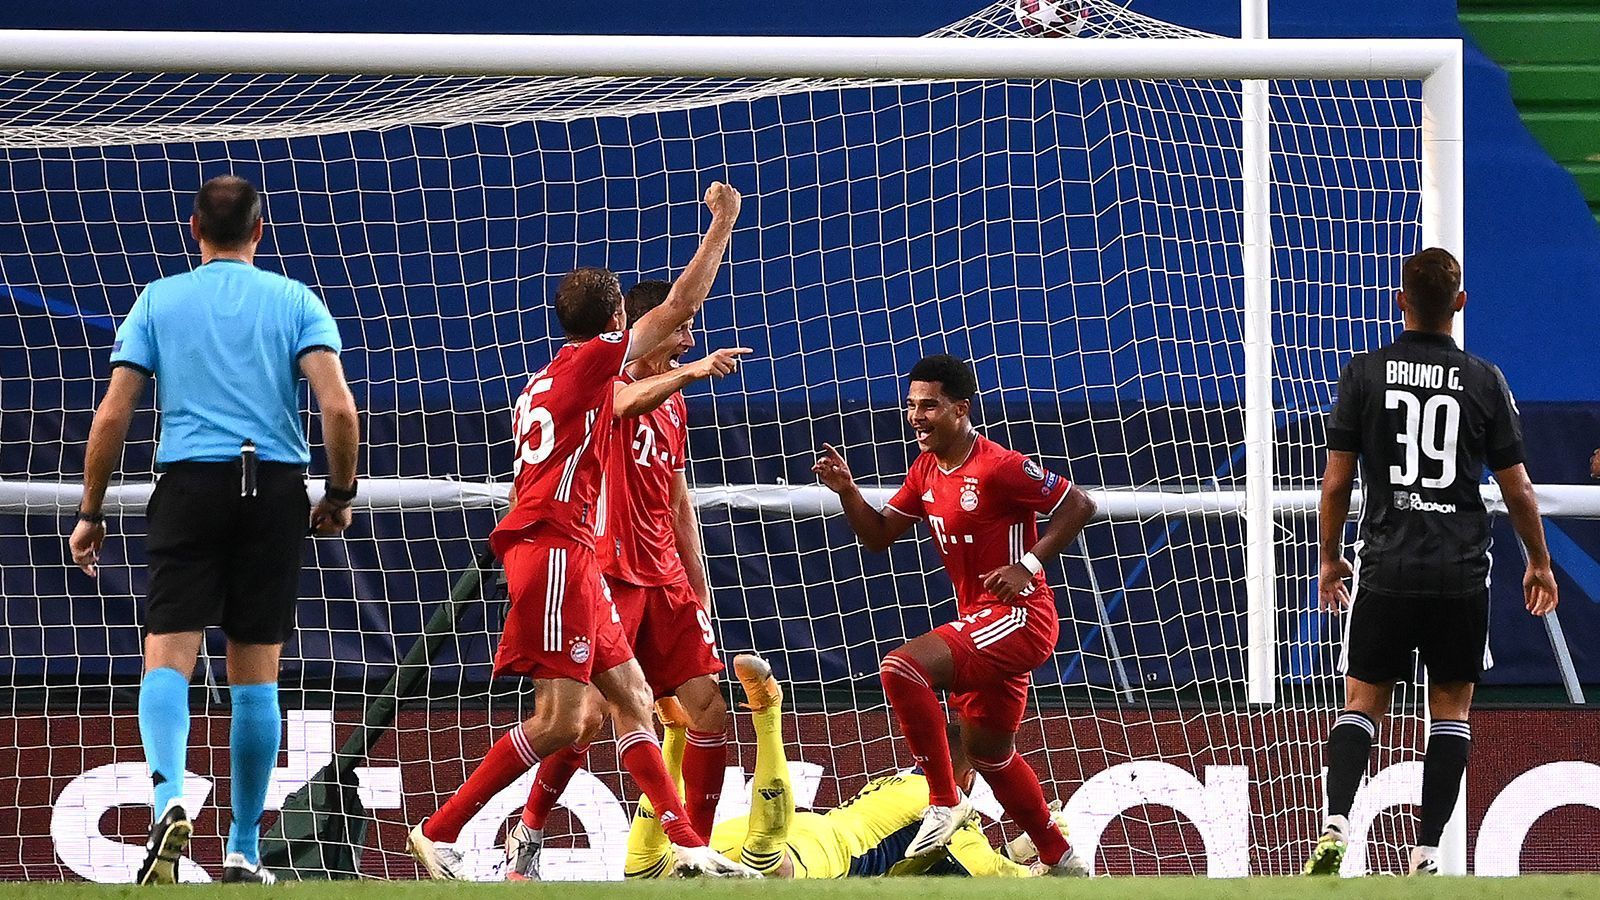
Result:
1080,241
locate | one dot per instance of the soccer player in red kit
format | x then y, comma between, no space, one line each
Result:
561,629
649,545
981,502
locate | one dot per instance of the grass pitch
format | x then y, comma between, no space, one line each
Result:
1539,886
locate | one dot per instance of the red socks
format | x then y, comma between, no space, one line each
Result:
705,759
641,756
549,782
504,763
922,721
1017,788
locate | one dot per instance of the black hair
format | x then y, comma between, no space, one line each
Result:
586,299
954,376
1431,280
226,210
645,296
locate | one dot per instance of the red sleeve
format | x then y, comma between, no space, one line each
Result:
600,360
908,500
1030,485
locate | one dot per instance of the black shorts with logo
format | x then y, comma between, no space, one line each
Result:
217,558
1451,633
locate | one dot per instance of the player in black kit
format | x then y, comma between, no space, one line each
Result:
1423,417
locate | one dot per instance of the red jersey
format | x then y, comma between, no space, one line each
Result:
638,544
562,424
983,515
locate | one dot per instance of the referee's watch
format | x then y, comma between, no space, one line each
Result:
341,496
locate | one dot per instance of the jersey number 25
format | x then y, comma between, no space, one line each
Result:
525,417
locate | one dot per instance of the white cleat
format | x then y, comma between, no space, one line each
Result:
524,845
939,825
1424,862
1070,866
695,862
440,862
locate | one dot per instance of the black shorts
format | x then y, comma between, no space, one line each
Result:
1451,634
217,558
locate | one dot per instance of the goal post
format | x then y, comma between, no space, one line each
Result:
1150,307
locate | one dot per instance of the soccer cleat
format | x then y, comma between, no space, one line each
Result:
693,862
1424,862
939,825
1326,856
440,862
523,847
235,870
1070,866
169,837
671,713
760,688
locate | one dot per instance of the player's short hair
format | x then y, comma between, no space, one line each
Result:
226,210
954,376
1431,280
586,299
645,296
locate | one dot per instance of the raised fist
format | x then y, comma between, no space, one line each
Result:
723,200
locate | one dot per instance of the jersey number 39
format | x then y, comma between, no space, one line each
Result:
1431,429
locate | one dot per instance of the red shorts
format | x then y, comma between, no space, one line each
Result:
670,633
996,649
561,623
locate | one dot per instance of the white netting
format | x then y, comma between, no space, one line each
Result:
1079,242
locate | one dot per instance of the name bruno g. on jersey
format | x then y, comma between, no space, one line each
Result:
1422,375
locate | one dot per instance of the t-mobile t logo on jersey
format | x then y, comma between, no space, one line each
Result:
936,525
1413,502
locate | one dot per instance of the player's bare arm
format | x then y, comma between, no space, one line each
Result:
1338,480
876,528
647,394
106,437
341,432
1066,523
690,289
1594,465
686,531
1538,580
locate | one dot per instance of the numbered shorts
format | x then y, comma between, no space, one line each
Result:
996,649
1450,633
217,558
670,633
561,623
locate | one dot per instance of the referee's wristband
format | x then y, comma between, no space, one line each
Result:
341,496
1031,563
93,518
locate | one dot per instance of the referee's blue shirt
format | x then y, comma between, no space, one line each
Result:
224,342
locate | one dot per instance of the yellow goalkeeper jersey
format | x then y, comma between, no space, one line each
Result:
868,834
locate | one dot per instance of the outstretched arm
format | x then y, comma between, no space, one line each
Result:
1337,482
1539,580
107,434
642,396
691,288
876,528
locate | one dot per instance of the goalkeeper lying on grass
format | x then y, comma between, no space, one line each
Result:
865,836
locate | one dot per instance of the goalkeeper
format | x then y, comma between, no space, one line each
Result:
867,835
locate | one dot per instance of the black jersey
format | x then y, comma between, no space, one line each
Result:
1425,417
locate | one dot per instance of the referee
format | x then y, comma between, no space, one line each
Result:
228,519
1423,417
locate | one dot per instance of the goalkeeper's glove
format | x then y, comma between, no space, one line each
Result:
1021,850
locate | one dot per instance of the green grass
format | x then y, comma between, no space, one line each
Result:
1542,887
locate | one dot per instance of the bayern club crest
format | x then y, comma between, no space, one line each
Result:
969,497
579,651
